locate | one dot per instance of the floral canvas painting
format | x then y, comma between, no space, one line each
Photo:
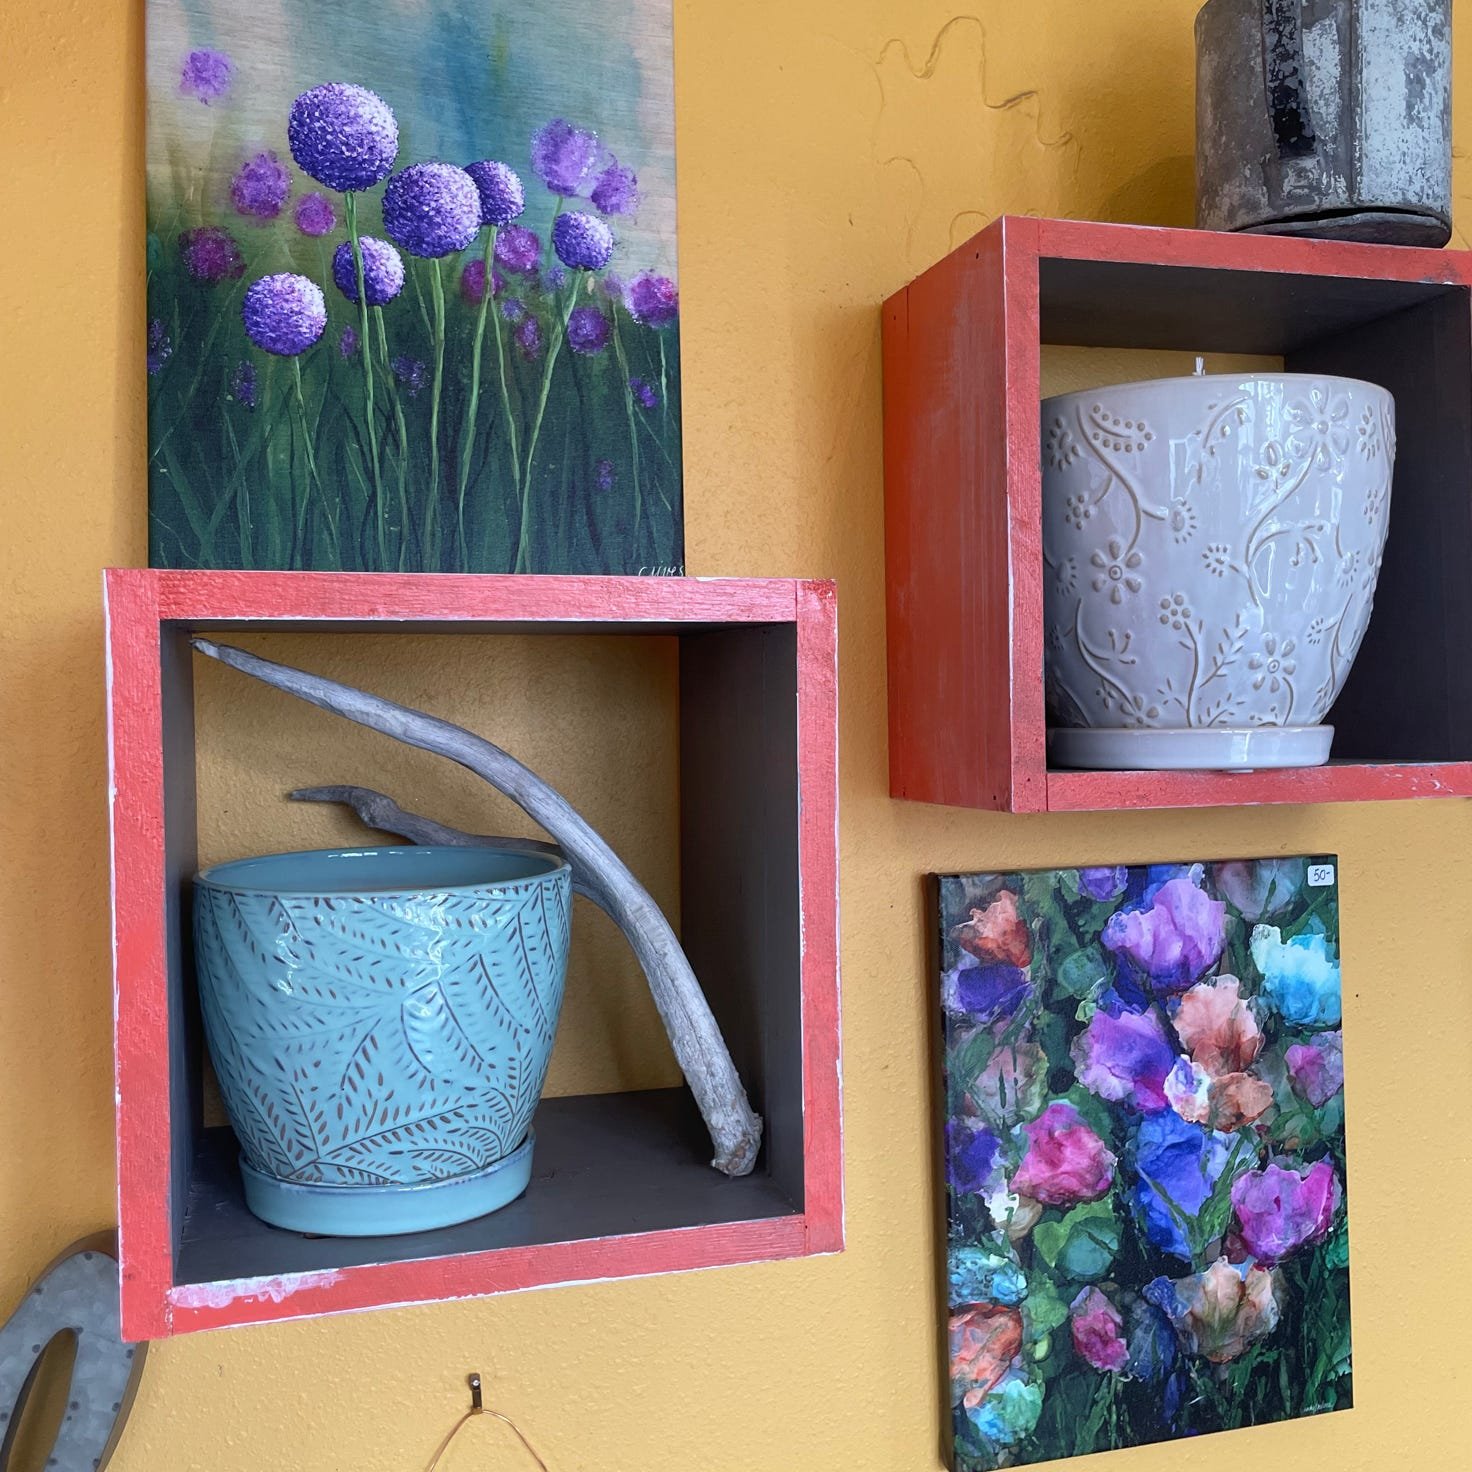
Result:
1144,1154
412,295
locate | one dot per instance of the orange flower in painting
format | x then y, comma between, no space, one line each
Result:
1218,1027
1225,1103
997,933
985,1339
1218,1313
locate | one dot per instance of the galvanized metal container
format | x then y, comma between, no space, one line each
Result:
1329,118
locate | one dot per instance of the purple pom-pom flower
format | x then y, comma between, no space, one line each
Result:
529,338
616,190
587,330
582,241
260,186
644,392
344,136
473,282
315,215
383,271
502,197
563,156
518,249
431,209
410,372
206,76
652,300
284,314
211,255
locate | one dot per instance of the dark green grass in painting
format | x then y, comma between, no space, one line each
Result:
252,466
1147,1228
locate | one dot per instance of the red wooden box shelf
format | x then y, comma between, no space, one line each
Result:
963,493
622,1184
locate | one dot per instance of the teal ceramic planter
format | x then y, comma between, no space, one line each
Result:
381,1021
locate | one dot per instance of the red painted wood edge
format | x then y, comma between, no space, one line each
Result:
1083,240
817,743
139,942
1342,782
192,1307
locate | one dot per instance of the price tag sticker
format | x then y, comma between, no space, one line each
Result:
1320,876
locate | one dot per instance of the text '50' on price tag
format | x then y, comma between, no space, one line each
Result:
1320,875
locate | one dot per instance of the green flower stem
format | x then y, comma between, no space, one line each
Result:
623,369
396,399
664,387
316,480
523,539
467,435
350,209
437,292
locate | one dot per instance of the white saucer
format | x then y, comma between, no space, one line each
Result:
1211,748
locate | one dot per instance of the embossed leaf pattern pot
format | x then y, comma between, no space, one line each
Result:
1211,547
381,1019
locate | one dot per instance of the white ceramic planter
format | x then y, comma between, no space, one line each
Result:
1211,548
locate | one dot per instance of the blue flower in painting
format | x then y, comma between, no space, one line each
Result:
284,314
1006,1415
206,76
1300,976
383,271
512,309
502,197
616,191
1103,885
979,1276
431,209
1152,1341
344,136
563,156
582,241
971,1154
984,991
1178,1165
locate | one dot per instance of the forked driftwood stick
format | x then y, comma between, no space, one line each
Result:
701,1051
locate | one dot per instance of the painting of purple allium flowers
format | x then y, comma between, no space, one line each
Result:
1143,1144
413,300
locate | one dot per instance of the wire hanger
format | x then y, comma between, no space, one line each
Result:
478,1408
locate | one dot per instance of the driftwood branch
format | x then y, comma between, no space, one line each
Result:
701,1051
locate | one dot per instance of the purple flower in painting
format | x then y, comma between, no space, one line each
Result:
582,241
518,249
971,1154
315,215
206,76
431,209
605,475
1103,885
410,372
984,991
344,136
587,330
1097,1329
383,270
1174,942
211,255
529,338
1316,1068
652,300
160,349
1279,1211
347,342
512,309
243,385
1065,1161
1178,1165
473,282
643,392
284,314
260,186
1125,1056
563,156
502,197
616,190
554,278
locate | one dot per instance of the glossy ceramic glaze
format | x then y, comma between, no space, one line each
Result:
381,1018
1211,547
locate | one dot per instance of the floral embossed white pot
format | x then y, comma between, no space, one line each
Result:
1211,547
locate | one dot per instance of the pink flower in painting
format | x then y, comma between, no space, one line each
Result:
1177,940
1279,1211
1096,1325
1218,1026
1065,1162
997,933
1316,1068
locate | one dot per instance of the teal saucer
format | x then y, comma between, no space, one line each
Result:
387,1211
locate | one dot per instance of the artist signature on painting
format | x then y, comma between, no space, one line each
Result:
663,570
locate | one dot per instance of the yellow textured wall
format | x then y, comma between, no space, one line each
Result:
829,150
